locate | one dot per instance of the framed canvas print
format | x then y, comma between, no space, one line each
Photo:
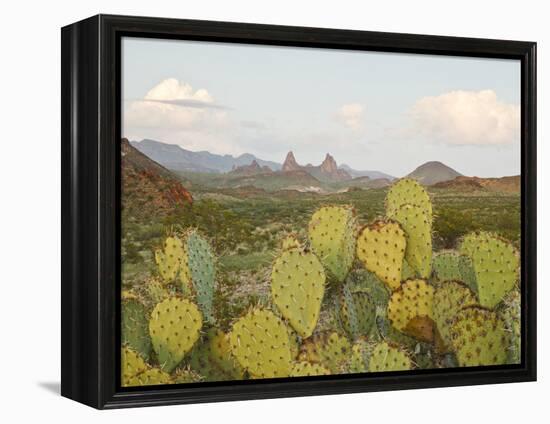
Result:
255,211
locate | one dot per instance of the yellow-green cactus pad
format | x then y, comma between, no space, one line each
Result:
496,266
449,298
329,349
407,191
212,358
360,354
479,337
410,309
381,249
297,287
131,364
259,340
308,369
185,375
386,357
150,377
174,328
332,233
169,260
418,232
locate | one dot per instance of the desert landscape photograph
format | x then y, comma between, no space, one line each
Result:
301,212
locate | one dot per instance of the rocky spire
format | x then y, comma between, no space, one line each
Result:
290,163
329,165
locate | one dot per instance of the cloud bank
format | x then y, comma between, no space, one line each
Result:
467,118
351,116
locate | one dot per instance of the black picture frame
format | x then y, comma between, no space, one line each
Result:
90,138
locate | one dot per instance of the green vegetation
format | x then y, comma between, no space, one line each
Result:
277,283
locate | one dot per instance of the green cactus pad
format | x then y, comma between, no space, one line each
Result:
449,298
510,312
410,309
407,191
386,357
479,337
297,288
329,349
212,358
365,281
169,260
332,232
451,266
407,271
496,265
356,311
418,232
174,328
308,369
201,272
134,329
259,342
381,249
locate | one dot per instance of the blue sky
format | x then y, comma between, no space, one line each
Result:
389,112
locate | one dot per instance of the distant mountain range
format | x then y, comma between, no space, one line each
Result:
177,158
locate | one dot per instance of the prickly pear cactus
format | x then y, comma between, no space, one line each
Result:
259,342
356,311
449,298
360,354
200,272
297,288
410,309
407,191
479,337
150,377
332,232
365,281
308,369
134,321
418,232
381,249
291,241
387,357
510,312
156,291
407,272
329,349
131,364
496,266
451,266
174,328
169,260
212,358
185,375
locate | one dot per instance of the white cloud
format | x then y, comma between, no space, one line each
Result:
351,115
174,105
466,118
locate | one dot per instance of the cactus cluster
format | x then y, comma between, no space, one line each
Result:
343,297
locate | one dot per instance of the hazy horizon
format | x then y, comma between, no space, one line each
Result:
371,111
